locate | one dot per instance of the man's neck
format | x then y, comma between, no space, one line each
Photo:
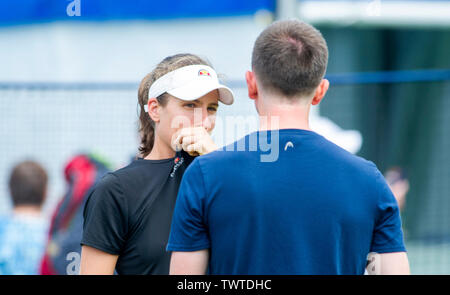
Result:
160,151
29,210
284,116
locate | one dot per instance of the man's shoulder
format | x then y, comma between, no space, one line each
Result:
223,156
359,171
341,156
327,153
240,149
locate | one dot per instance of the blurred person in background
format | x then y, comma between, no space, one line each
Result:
23,233
399,184
63,248
128,215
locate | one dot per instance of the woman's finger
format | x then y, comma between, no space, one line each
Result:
176,142
178,136
195,147
191,139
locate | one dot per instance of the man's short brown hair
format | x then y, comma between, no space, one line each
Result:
28,184
290,57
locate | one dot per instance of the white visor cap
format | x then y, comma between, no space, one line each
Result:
190,83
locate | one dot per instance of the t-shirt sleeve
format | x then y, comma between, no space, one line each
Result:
388,234
106,217
189,231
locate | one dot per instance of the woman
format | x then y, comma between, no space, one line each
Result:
127,217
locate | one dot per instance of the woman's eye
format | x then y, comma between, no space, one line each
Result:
211,109
190,105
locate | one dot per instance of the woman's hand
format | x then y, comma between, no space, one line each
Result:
194,140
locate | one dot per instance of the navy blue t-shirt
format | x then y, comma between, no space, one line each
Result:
291,203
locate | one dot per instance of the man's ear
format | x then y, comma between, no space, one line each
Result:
320,92
153,109
251,85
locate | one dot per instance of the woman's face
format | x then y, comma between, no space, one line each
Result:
178,114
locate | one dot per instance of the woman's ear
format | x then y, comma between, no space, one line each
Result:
251,85
153,109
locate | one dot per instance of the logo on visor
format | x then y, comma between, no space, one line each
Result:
203,73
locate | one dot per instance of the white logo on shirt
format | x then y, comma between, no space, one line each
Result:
288,144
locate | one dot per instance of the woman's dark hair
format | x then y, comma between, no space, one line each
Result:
146,124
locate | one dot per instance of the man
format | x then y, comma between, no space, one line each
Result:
315,209
23,234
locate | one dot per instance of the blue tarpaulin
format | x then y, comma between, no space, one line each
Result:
35,11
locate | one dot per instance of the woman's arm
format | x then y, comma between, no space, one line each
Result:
97,262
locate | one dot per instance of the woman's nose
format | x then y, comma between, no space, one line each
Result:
208,123
203,119
208,120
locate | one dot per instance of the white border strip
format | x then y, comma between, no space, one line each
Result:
376,12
